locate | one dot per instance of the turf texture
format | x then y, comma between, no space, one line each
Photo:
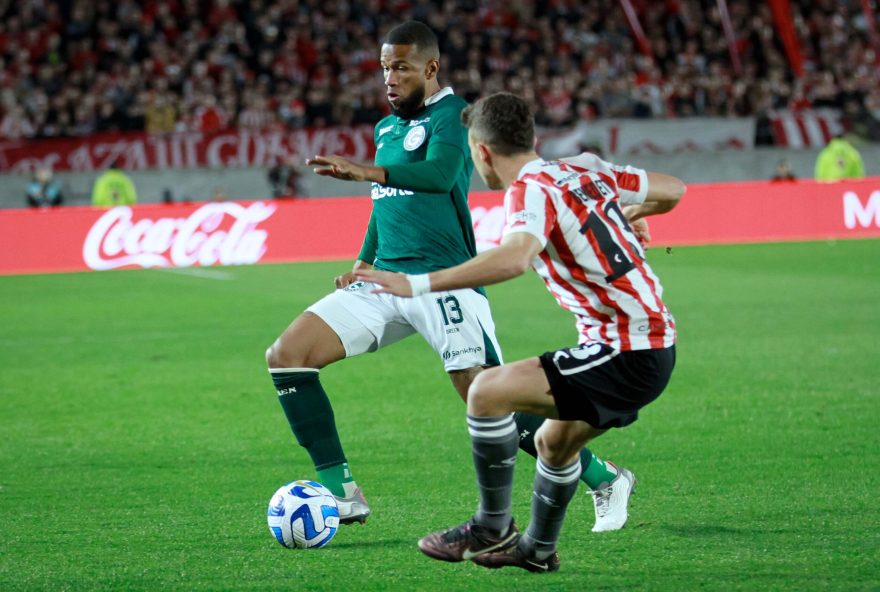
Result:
140,439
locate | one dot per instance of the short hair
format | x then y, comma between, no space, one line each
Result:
415,33
503,121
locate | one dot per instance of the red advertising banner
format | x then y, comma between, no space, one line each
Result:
185,150
236,233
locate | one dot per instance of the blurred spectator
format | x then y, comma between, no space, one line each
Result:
113,188
73,67
783,172
160,114
44,191
285,179
839,160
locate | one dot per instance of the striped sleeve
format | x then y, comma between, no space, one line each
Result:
632,182
529,208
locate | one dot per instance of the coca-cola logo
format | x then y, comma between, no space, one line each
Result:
216,233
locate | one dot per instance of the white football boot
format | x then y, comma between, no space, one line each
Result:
611,501
354,508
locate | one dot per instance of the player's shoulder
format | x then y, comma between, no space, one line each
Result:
449,106
386,121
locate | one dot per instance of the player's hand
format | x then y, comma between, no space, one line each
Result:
642,231
388,282
346,279
337,167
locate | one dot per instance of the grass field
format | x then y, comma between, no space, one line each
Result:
140,439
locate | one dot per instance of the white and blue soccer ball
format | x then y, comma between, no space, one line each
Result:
303,515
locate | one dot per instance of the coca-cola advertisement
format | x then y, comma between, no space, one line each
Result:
185,150
239,233
215,234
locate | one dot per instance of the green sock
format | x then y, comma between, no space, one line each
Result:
338,479
594,471
312,421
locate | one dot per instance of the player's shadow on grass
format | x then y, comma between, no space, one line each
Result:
705,530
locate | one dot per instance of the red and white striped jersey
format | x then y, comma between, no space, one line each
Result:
592,262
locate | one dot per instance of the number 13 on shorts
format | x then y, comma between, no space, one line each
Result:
450,309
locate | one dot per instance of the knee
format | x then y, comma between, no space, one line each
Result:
279,356
485,397
274,356
552,449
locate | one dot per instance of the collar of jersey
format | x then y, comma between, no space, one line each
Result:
530,167
444,92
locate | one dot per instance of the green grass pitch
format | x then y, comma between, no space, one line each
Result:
140,439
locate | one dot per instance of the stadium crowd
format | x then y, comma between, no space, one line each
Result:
76,67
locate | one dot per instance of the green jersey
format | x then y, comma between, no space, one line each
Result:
421,221
839,160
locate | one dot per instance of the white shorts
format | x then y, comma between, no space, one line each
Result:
457,324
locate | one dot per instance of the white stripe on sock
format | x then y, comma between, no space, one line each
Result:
561,475
493,434
489,422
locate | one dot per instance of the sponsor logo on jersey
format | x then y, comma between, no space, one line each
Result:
380,191
454,353
386,129
523,216
416,122
567,179
414,138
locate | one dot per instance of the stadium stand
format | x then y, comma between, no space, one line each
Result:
74,68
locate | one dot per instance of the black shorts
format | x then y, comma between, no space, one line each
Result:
605,387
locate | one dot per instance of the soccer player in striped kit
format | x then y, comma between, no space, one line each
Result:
571,221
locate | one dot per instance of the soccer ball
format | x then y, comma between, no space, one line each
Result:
303,515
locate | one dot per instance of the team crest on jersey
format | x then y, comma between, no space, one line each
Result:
414,138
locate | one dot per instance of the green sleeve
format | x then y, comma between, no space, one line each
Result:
436,174
368,249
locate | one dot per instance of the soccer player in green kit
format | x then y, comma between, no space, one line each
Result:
420,223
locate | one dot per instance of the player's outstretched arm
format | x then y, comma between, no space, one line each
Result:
346,170
511,259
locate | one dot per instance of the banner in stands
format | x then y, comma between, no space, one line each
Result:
187,150
236,233
661,136
809,128
136,151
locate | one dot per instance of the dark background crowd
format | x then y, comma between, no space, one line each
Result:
76,67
